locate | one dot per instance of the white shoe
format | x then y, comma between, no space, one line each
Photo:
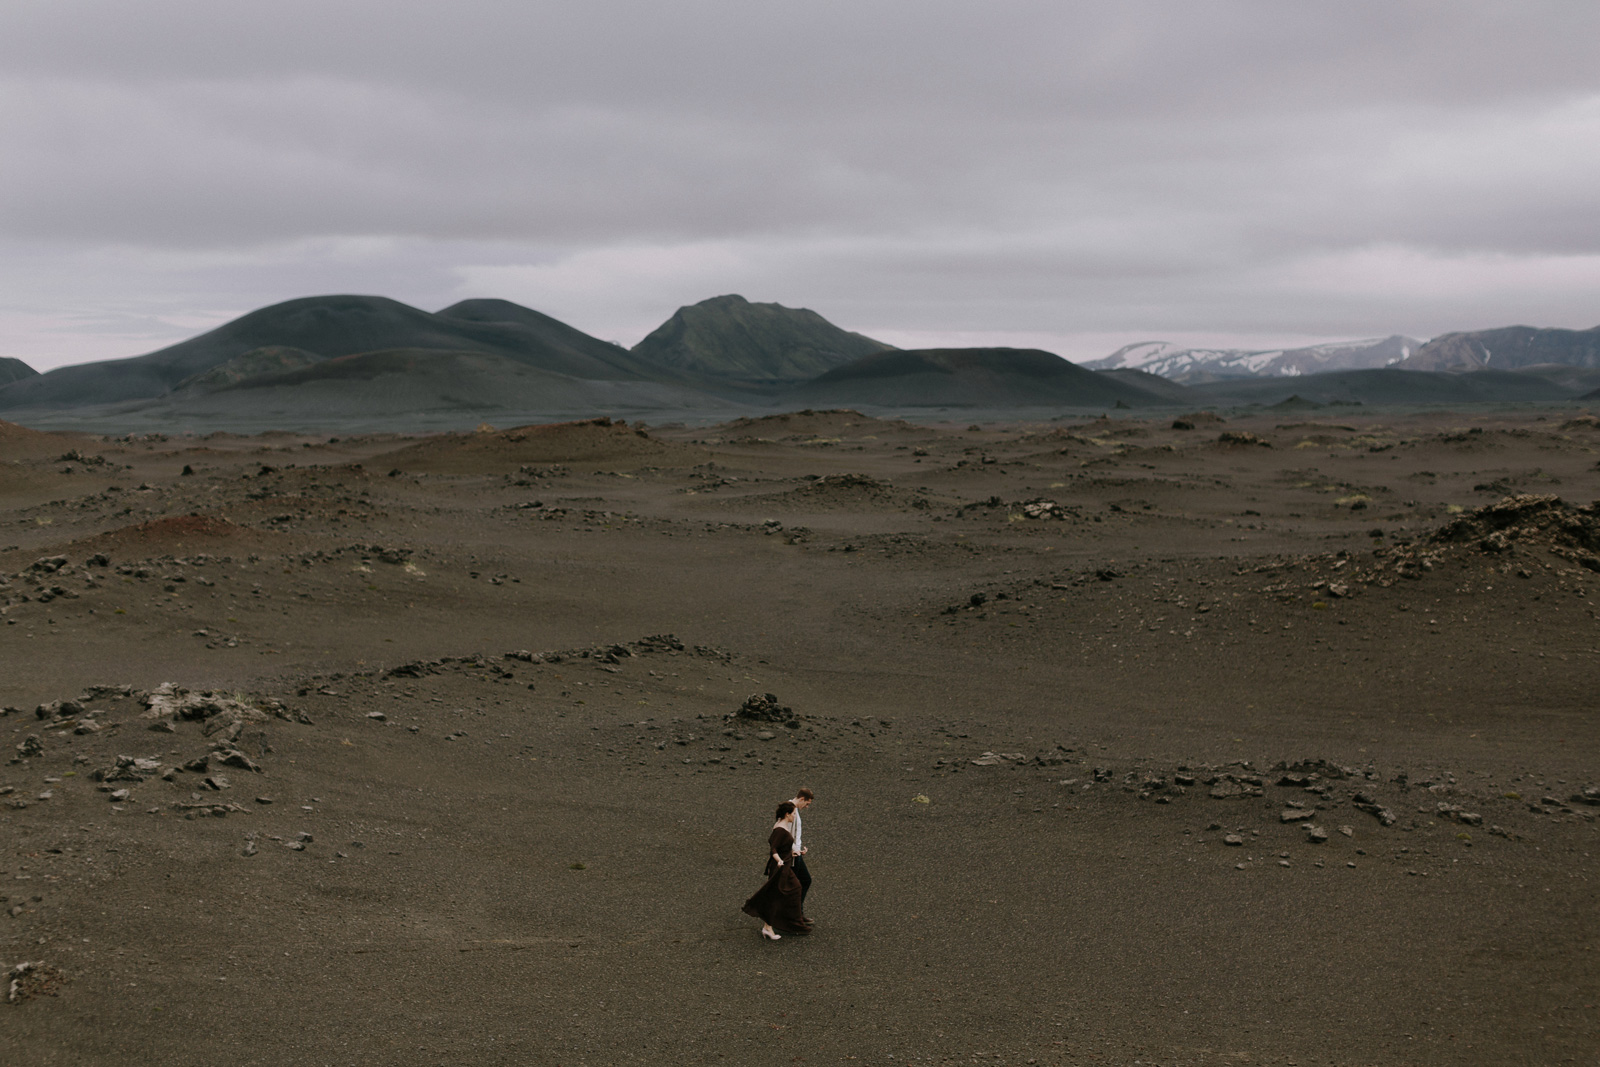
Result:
771,935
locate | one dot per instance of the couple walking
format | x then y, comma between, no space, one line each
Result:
781,901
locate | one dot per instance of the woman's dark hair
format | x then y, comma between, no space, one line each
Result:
785,808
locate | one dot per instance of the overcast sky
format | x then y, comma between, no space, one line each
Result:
1071,175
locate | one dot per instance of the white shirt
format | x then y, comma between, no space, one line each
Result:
797,831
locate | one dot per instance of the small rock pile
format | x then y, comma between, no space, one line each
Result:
758,707
1529,520
1043,509
28,980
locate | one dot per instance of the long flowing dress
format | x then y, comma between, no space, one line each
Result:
777,903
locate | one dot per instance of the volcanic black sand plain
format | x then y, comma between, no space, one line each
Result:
1266,740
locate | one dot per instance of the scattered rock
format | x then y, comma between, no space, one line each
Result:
128,769
1296,815
234,758
1309,768
1454,813
1231,786
29,980
1364,802
1233,839
995,759
1316,834
1043,509
222,728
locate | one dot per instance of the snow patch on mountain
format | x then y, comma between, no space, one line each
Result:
1190,365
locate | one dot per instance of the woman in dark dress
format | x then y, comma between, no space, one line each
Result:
778,902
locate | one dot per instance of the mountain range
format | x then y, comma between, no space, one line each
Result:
1519,348
332,359
1509,348
1191,365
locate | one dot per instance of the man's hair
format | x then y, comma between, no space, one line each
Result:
804,794
785,808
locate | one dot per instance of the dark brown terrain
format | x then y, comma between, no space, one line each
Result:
1266,741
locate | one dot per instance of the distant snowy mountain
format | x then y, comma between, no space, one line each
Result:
1192,365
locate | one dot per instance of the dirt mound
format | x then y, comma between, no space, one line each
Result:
1530,520
20,440
178,533
493,451
825,493
808,424
10,431
831,492
1096,432
1499,533
1236,438
27,477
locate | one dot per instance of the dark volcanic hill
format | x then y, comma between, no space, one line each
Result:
968,377
731,339
1385,385
416,381
328,327
1508,348
271,359
1151,383
14,370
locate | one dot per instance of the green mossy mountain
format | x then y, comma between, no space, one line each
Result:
328,327
969,378
268,359
731,339
14,370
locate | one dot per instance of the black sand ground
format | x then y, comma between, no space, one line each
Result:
1038,676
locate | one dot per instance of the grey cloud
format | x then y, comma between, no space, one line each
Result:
961,166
